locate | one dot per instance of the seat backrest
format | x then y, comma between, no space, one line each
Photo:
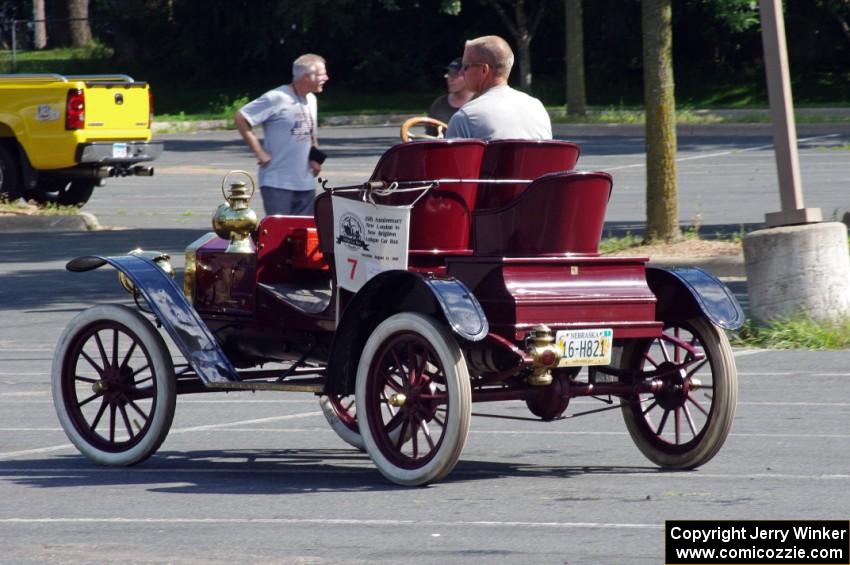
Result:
441,219
558,213
324,215
520,159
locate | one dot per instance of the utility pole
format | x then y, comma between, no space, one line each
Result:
782,115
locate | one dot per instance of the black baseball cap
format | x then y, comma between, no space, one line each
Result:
455,65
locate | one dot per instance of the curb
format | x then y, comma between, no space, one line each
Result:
84,221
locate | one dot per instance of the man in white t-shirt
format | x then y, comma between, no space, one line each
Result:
498,111
288,158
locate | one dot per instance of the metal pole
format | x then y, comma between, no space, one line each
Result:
782,116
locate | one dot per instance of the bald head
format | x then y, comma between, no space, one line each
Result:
494,51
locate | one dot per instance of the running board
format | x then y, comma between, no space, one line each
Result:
284,386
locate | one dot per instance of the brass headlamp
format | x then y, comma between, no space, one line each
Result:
234,219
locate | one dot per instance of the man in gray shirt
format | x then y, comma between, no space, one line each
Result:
498,111
288,158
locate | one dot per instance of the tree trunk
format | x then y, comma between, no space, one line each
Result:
39,25
78,11
662,202
523,26
524,48
576,101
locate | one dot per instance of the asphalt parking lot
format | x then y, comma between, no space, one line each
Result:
246,478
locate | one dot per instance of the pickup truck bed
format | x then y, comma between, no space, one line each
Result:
61,136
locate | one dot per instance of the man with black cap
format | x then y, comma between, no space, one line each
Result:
444,107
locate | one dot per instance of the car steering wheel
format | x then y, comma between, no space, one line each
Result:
406,134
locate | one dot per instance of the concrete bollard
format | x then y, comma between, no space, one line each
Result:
801,269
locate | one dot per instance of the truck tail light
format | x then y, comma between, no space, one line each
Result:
75,109
150,108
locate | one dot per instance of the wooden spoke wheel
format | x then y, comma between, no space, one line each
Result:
413,123
413,399
683,425
113,385
341,413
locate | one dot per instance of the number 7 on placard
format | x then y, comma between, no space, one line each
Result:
353,268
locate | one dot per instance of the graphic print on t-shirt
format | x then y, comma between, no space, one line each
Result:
302,128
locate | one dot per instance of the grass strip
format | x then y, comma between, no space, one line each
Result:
796,332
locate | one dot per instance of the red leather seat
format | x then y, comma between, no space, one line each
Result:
520,159
441,219
558,213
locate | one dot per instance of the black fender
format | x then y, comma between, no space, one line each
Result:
686,292
391,292
182,322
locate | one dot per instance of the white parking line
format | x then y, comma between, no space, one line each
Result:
255,421
746,352
337,522
724,153
10,454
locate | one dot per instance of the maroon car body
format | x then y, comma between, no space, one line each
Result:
505,297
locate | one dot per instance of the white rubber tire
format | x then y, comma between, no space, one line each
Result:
344,432
458,389
162,368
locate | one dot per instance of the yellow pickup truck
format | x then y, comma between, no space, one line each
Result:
61,136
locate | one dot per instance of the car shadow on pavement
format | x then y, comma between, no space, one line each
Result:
267,471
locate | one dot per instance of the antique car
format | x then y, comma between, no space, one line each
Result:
460,272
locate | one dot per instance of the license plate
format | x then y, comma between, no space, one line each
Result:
119,150
585,347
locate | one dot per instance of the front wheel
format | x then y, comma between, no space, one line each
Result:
414,400
684,424
113,385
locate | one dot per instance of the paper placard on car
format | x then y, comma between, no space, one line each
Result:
368,239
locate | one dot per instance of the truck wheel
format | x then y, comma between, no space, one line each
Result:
414,399
77,193
10,187
114,388
62,192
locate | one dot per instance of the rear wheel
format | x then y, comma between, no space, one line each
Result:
10,184
113,385
684,424
414,400
63,192
341,413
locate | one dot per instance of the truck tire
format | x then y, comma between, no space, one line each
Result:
77,193
10,187
62,192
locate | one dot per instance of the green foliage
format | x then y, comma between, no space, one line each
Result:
94,58
736,15
613,244
799,332
195,51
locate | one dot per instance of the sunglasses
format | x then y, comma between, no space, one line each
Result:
466,66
